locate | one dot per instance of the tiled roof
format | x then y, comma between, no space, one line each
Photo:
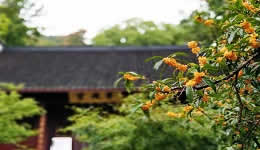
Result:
55,68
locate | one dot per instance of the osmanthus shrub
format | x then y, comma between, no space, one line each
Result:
125,128
225,84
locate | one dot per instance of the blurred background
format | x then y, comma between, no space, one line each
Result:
102,23
89,31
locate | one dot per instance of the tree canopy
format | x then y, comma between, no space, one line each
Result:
13,28
13,110
73,39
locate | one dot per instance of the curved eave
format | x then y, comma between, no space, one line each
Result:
65,90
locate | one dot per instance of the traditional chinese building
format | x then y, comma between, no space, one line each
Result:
60,76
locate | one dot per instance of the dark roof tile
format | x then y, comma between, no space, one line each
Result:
77,67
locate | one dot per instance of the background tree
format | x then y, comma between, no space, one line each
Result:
13,111
124,129
73,39
139,32
13,28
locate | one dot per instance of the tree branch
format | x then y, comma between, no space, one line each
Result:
231,74
241,105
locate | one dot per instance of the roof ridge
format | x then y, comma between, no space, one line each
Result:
93,48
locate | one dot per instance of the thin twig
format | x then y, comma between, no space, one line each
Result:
241,105
225,78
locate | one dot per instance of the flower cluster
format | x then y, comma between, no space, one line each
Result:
205,98
172,62
187,108
159,95
250,7
230,55
252,40
247,27
208,22
196,79
227,54
202,61
219,59
253,35
128,76
148,105
194,47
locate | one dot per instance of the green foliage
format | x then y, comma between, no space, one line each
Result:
49,41
139,32
224,86
13,28
128,129
13,109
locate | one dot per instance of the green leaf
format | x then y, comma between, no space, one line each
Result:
183,54
136,107
117,82
157,65
133,73
129,85
210,83
210,68
153,58
232,35
189,93
121,73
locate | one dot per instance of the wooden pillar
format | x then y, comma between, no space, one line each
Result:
41,141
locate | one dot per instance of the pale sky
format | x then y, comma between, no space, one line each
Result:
61,17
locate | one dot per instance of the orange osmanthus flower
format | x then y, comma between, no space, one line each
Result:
166,89
172,62
198,76
209,22
130,77
196,79
250,7
240,73
191,83
160,96
247,27
192,44
208,89
205,98
181,67
194,47
187,108
195,50
202,61
219,59
230,55
253,42
223,50
148,105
